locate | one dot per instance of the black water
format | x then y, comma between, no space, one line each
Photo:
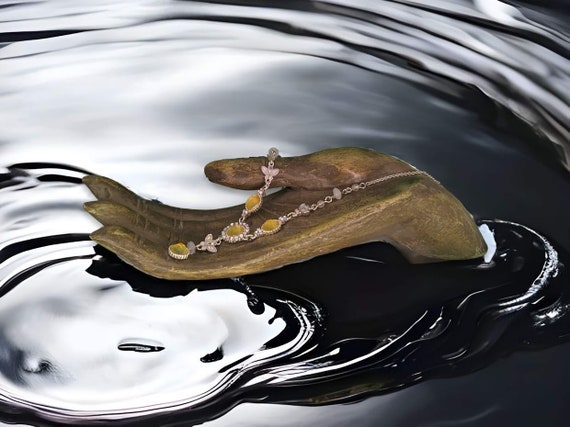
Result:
147,92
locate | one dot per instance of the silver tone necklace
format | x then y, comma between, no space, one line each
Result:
239,231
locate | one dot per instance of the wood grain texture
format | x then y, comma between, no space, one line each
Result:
415,214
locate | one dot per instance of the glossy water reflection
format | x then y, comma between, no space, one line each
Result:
86,338
148,91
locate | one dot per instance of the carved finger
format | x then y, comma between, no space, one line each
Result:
323,170
106,189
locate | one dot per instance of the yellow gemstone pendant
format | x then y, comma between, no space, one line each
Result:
270,226
253,203
235,232
178,251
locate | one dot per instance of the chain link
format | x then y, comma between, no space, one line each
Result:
209,243
354,187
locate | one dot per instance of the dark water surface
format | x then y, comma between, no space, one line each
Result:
148,91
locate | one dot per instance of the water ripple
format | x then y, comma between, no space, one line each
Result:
514,60
85,338
148,91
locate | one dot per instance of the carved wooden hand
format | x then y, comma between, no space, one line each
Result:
414,213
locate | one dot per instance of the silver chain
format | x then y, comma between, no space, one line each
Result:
210,244
305,209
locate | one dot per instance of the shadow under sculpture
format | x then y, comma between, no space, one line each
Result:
414,213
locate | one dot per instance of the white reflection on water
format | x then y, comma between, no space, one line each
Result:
61,329
119,112
156,88
61,326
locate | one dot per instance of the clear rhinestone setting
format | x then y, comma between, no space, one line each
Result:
239,231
